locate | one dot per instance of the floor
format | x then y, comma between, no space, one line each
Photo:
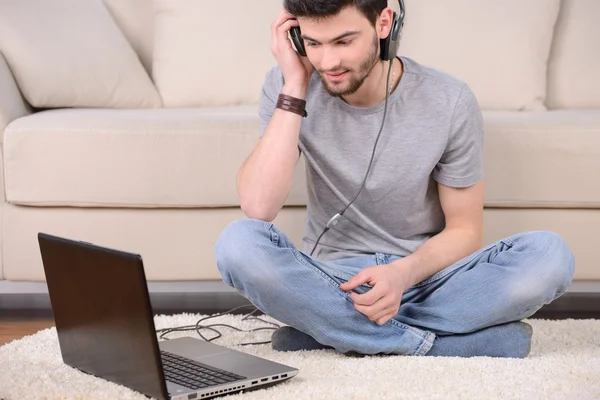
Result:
15,323
12,329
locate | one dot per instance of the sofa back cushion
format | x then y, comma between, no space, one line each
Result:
71,53
206,54
136,20
12,104
499,48
574,67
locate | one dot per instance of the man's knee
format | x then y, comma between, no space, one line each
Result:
236,245
559,265
552,264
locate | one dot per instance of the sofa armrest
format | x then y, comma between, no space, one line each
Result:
12,103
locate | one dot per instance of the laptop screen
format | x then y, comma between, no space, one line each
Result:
102,313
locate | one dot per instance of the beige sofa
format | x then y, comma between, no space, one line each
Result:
124,122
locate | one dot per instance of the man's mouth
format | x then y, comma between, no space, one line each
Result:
336,76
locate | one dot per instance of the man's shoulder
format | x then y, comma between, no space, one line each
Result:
273,80
274,73
431,76
433,84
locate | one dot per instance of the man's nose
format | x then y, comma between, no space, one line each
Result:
330,60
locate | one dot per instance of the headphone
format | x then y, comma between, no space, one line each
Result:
389,50
389,45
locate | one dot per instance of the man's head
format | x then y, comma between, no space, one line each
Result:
342,38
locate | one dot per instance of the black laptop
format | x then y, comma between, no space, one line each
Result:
105,328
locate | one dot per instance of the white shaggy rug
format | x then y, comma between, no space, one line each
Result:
564,364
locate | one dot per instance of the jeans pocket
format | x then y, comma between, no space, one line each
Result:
272,234
344,278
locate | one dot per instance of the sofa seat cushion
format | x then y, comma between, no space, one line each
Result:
190,158
130,158
542,159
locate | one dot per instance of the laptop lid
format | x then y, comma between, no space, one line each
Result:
102,313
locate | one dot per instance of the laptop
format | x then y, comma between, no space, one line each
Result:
105,326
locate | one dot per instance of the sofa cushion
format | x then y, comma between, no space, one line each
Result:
71,53
136,20
178,245
500,48
190,158
2,201
207,56
12,104
574,64
542,159
131,158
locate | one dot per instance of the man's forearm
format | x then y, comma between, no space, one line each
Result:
439,252
265,178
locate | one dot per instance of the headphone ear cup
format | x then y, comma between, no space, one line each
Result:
389,45
296,36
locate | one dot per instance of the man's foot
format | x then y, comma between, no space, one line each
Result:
287,338
511,340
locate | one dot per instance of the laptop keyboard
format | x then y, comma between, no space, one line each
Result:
192,374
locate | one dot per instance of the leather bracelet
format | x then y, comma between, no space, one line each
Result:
292,104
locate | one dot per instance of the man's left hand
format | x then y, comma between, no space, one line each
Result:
382,301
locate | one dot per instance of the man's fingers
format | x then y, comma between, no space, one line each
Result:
384,315
381,307
281,19
385,319
285,28
371,297
380,312
369,311
280,35
359,279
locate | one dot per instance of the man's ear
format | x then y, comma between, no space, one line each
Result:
384,23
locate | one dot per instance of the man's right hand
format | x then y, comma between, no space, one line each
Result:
296,70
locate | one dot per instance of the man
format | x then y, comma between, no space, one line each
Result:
404,271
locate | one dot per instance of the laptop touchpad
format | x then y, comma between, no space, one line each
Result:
233,361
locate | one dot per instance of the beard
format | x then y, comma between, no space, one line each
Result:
355,82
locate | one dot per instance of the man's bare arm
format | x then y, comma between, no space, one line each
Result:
265,179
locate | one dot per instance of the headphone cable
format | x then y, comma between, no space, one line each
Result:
335,218
198,327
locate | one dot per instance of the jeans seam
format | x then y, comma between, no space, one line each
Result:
275,240
272,234
426,344
329,279
509,242
424,337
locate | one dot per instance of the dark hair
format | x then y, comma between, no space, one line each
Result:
320,9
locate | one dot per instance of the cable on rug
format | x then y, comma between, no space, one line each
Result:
197,327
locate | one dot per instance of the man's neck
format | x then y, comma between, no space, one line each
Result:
374,88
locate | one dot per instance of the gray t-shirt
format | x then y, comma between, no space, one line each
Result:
433,133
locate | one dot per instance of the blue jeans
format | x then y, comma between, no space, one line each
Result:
503,282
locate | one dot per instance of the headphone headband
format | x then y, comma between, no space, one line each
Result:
389,45
401,16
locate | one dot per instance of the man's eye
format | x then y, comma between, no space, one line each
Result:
311,44
345,42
